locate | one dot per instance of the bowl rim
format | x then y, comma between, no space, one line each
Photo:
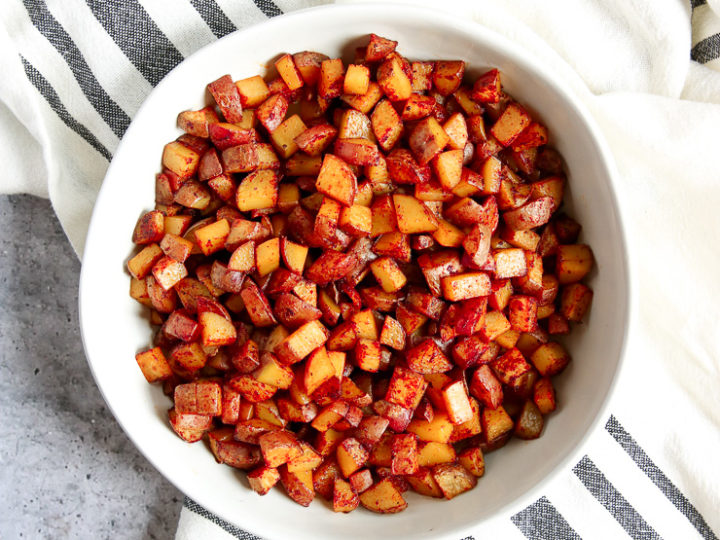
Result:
508,48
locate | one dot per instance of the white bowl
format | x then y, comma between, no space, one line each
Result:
114,329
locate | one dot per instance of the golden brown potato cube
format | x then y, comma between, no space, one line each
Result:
241,158
177,224
150,228
180,159
404,454
233,453
189,356
250,430
448,168
318,369
439,429
365,324
383,497
418,106
552,186
422,76
283,138
257,191
388,274
267,256
535,213
367,101
302,342
386,124
427,139
529,423
406,388
308,64
153,365
138,291
251,389
176,247
361,480
392,334
344,498
293,255
496,423
279,447
544,395
413,216
575,301
324,477
393,244
243,258
253,91
271,372
356,220
330,415
472,459
550,359
355,125
523,313
298,485
465,286
216,330
272,112
453,479
423,483
343,337
307,461
327,441
167,272
337,180
530,138
448,76
288,72
457,403
162,301
196,122
330,84
573,263
434,453
212,237
351,456
356,151
509,263
511,123
393,80
357,80
495,325
263,479
190,427
141,264
368,354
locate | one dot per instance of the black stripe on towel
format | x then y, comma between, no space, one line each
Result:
47,91
224,525
124,20
658,478
706,50
268,7
696,3
613,501
541,520
43,20
214,17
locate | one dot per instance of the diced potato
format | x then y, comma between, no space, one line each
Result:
283,137
406,388
314,140
404,454
573,263
298,485
427,357
153,364
393,80
550,359
448,75
337,180
357,80
465,286
351,456
511,123
288,71
413,216
427,139
257,191
383,497
457,403
331,80
302,342
388,274
180,159
496,423
356,220
344,497
439,429
263,479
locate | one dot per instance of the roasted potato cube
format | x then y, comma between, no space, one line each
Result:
318,369
288,72
368,354
383,497
190,427
388,274
337,180
302,342
199,397
575,301
378,48
439,429
257,305
392,334
453,479
573,263
150,228
496,423
283,137
472,459
448,75
523,313
427,139
257,191
509,263
278,448
357,80
393,80
448,168
529,423
344,497
356,220
168,272
456,402
263,479
465,286
227,97
427,357
298,485
413,216
404,454
486,387
406,388
180,159
351,456
216,330
153,364
550,359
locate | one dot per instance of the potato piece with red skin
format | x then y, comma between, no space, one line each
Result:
383,497
278,447
427,139
314,140
251,389
523,313
168,272
487,88
344,497
392,334
529,423
227,97
337,180
406,388
330,266
196,122
298,485
456,402
448,75
262,479
378,48
403,168
465,286
550,359
190,427
413,216
486,387
496,424
150,228
511,368
575,301
453,479
357,151
404,454
535,213
351,456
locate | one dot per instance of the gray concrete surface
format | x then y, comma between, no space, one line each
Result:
67,470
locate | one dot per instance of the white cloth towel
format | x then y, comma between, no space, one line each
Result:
73,80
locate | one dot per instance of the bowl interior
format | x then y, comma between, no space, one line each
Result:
114,327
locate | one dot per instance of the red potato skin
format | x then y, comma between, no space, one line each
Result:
227,97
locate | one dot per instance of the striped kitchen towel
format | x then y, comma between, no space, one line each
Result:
76,71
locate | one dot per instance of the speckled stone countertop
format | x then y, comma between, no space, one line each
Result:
67,470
